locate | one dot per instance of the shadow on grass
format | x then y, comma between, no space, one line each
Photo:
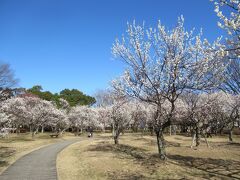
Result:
25,137
134,152
148,142
168,143
17,138
126,151
139,155
3,163
4,153
151,142
125,175
214,167
102,137
232,144
225,145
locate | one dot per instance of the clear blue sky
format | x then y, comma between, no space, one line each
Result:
67,43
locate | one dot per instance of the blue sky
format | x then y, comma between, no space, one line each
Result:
67,43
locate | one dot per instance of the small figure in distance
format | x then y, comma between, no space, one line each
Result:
90,130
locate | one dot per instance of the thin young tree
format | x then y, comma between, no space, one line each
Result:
119,115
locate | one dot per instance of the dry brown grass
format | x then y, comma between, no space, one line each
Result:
136,158
16,146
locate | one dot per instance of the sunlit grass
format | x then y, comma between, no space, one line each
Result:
136,158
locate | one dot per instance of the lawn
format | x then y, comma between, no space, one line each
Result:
136,158
16,146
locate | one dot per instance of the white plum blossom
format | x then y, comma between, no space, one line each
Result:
16,109
34,113
5,120
162,64
228,12
119,115
227,107
104,116
81,117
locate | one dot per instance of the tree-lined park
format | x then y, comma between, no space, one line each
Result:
173,113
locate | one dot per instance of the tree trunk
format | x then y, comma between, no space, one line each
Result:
221,131
42,129
143,130
174,129
30,128
198,136
77,132
206,141
193,139
151,131
116,134
33,133
116,139
161,145
230,133
113,130
61,131
136,129
103,130
18,130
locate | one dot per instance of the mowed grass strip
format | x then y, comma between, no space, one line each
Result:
136,158
16,146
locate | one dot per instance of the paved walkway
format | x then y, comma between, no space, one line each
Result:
37,165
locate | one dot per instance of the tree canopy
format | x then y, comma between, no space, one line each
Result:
76,97
73,97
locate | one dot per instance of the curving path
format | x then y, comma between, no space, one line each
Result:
37,165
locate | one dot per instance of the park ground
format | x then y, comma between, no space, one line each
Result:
136,158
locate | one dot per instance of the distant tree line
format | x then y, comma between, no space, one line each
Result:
73,97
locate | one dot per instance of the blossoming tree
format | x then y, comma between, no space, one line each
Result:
32,112
81,117
161,64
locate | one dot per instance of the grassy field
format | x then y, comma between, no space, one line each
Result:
15,146
136,158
